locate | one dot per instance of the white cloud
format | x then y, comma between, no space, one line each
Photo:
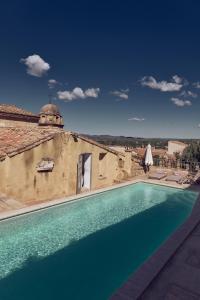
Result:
78,93
36,66
92,92
125,90
197,84
123,94
136,119
180,102
52,83
198,125
188,94
177,79
191,94
175,85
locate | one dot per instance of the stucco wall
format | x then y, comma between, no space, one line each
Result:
19,177
175,147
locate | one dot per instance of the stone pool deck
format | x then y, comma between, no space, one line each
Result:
172,273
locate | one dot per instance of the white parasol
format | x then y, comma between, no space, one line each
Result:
148,156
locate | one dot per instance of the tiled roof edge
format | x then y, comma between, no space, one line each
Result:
50,137
31,146
97,144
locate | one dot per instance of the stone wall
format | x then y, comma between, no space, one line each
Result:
21,180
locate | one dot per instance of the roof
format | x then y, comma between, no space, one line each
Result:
159,151
141,151
17,140
50,109
178,142
98,144
12,109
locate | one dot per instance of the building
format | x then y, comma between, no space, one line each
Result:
43,161
12,116
176,147
140,152
50,116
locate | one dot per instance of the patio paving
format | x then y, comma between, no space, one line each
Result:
180,278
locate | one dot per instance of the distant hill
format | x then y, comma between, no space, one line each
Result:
133,141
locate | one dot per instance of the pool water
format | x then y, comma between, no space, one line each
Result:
84,250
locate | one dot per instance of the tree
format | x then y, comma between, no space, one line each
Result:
177,155
192,152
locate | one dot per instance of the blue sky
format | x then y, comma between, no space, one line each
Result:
115,67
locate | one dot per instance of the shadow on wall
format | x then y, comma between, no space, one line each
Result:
92,268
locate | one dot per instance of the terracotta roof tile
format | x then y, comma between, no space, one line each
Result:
141,151
16,140
12,109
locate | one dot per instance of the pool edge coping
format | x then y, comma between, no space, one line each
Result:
59,201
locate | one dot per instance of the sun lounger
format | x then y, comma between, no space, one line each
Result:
185,180
158,175
179,177
196,178
173,178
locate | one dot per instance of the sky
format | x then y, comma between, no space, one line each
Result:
113,67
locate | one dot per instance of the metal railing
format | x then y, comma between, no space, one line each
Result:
191,166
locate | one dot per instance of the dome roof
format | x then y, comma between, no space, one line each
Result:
50,109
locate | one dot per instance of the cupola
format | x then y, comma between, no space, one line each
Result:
50,116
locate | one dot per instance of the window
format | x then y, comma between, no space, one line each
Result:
102,155
121,163
102,165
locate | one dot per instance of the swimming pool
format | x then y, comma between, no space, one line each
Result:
86,249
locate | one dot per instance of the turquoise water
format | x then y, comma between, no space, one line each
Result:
86,249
